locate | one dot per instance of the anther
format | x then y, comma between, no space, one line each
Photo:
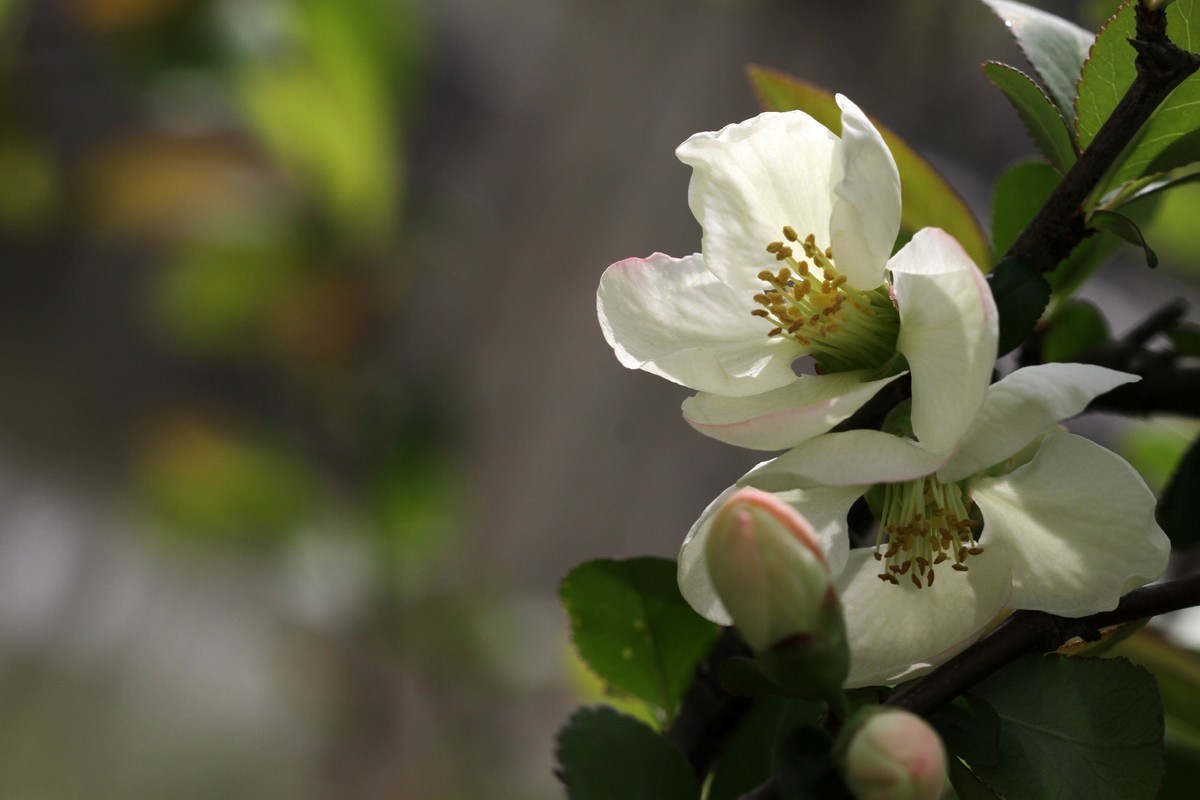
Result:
789,233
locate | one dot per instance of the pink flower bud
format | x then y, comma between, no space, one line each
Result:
768,567
895,755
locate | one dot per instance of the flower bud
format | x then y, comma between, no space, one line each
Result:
894,755
768,567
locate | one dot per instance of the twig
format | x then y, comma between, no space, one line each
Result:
708,713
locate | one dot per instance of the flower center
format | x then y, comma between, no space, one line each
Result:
843,327
926,523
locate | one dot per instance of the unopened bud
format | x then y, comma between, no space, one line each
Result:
768,567
894,755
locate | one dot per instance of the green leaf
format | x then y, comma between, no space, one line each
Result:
603,754
1019,194
1185,338
1179,509
967,785
1075,328
805,769
970,727
1178,673
1075,727
929,200
1151,185
1055,47
1125,228
631,626
746,756
1044,122
1168,139
1021,294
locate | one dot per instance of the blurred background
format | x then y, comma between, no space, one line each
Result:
304,410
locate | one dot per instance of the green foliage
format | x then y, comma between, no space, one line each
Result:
1179,508
805,768
603,754
1021,294
1076,328
929,200
1072,727
1020,191
1125,228
1055,47
631,626
746,758
1044,122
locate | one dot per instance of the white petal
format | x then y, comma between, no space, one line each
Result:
849,458
674,318
866,211
899,632
825,510
1022,405
1077,524
784,417
948,332
751,179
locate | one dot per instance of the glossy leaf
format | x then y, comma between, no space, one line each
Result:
1125,228
603,754
929,200
1019,194
1055,47
1179,509
1076,328
631,626
1044,122
1075,727
1021,294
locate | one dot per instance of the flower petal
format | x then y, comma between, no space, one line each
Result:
751,179
825,509
948,333
1077,524
866,208
672,317
1023,405
784,417
849,458
899,632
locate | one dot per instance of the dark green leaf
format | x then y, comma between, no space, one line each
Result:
1076,328
1075,727
1179,509
631,626
805,769
1126,228
970,728
1021,294
1055,47
1185,337
1182,767
741,676
1019,194
929,199
967,785
603,754
1049,131
747,755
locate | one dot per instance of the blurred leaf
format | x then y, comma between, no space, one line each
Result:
1075,727
1045,124
30,186
1075,328
1156,447
805,768
741,676
929,200
1020,192
1182,767
603,755
1021,294
747,754
1166,140
1055,47
1185,338
967,785
633,627
1125,228
1178,673
1179,509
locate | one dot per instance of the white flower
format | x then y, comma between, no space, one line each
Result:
1068,527
797,226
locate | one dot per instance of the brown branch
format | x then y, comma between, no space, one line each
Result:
1059,225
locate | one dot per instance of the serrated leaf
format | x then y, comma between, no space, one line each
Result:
746,756
634,629
603,754
1168,139
1075,727
929,199
1179,509
1021,294
1045,123
1077,327
1056,48
1125,228
1019,194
